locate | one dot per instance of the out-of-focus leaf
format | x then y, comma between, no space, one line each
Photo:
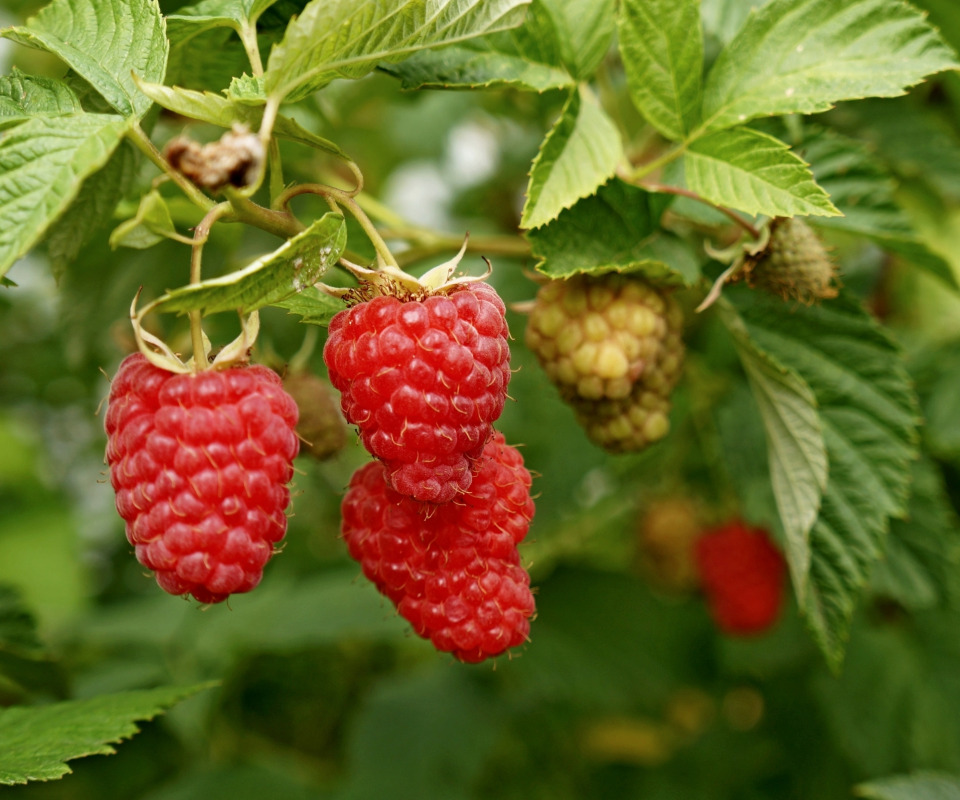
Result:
194,19
863,190
151,224
617,230
916,786
39,740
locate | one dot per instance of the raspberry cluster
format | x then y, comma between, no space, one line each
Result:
453,571
199,463
423,380
612,344
742,574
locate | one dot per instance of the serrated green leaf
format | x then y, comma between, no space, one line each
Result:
754,172
580,153
247,90
43,164
802,56
527,57
922,564
91,209
617,229
868,414
348,38
199,17
24,660
864,191
313,306
662,50
722,19
218,110
918,786
103,42
151,224
295,265
796,451
39,740
24,96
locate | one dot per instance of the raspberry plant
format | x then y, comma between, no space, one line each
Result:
721,285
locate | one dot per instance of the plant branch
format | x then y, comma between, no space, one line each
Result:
732,215
200,235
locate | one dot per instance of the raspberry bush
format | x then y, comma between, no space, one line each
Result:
307,306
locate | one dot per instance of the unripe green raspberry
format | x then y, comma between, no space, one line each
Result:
321,427
612,345
794,265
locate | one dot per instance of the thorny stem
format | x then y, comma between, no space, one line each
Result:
143,143
732,215
200,234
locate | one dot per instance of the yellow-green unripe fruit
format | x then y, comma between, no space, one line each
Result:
612,345
321,428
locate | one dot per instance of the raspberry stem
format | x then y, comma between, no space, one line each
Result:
200,235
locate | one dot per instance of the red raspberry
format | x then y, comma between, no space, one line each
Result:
423,381
199,463
742,573
453,571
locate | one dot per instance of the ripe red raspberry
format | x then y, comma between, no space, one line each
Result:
423,381
199,463
742,573
453,570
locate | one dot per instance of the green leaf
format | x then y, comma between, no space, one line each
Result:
149,226
313,306
295,265
796,451
868,415
918,786
802,56
662,50
617,229
25,96
43,164
192,20
38,740
722,19
91,209
922,565
396,751
527,57
754,172
864,191
219,110
580,153
347,38
103,42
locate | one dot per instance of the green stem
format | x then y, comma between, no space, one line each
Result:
200,234
248,35
658,163
137,135
730,214
279,223
508,246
